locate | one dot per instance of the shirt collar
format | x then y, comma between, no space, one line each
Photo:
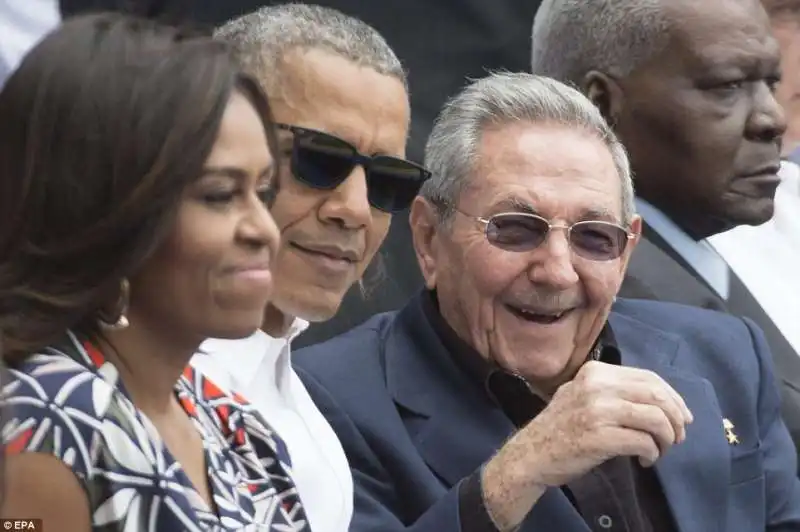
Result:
298,326
258,358
699,254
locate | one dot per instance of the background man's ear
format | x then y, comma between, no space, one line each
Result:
604,91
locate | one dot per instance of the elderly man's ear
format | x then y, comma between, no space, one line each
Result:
424,222
604,91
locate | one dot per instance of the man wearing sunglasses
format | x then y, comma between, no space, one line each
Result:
513,394
338,94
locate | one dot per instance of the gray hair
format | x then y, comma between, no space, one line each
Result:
262,39
572,37
501,99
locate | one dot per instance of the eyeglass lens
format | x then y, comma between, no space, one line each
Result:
324,161
590,239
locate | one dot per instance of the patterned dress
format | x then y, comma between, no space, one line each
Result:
69,402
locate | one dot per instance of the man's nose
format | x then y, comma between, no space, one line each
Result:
552,264
767,122
348,205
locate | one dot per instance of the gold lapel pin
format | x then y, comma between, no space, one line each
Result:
733,439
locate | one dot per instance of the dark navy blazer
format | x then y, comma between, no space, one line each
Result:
413,424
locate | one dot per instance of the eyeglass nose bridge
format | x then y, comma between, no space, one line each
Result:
553,226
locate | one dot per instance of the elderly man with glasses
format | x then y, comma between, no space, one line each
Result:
515,392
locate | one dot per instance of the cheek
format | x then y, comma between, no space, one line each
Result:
601,281
188,259
294,203
601,284
494,271
485,274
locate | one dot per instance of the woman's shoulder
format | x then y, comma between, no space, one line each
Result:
53,404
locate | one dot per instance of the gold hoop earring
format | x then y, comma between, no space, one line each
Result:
119,322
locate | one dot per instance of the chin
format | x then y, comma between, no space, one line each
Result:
236,328
545,370
763,215
313,304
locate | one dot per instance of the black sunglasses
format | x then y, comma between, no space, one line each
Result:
323,161
593,240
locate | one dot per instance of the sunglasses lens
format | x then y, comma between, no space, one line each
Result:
516,232
393,183
321,161
598,240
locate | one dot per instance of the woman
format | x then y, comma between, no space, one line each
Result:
135,163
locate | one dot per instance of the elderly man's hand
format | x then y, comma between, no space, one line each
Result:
605,411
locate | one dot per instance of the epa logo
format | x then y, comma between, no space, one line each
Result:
31,525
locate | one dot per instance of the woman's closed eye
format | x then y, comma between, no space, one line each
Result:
219,197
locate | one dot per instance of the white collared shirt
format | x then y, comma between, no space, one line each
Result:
706,261
765,257
260,369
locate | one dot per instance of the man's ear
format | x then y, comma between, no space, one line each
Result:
636,233
605,93
424,222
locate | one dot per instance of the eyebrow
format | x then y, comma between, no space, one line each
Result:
516,204
236,173
600,215
718,57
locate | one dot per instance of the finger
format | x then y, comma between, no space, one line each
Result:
658,383
621,441
650,419
625,377
651,393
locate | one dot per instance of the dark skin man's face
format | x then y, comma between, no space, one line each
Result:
700,119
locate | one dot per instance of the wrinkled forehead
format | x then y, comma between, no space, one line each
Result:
557,171
720,33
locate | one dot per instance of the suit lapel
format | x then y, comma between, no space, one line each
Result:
694,474
652,235
452,422
657,271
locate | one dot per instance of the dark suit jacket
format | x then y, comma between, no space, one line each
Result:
413,424
656,271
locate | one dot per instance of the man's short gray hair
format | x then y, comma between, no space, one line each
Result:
572,37
504,99
263,38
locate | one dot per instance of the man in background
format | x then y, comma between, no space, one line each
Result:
689,88
765,257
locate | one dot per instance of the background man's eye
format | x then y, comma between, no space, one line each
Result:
268,195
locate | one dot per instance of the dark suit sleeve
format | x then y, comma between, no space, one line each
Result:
780,467
376,504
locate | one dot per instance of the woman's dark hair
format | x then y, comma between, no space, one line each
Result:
102,127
